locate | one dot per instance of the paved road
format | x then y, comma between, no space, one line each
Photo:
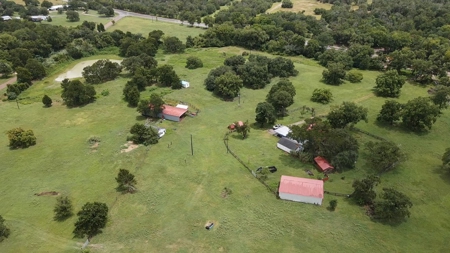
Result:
122,14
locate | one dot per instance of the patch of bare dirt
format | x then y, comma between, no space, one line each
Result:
94,146
130,146
50,193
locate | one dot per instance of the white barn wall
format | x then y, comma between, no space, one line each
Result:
170,117
298,198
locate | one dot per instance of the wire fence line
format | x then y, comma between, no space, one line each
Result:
225,141
355,129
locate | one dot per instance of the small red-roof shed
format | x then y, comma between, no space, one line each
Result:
173,113
323,164
301,189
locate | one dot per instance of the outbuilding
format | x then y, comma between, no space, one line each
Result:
56,7
6,18
289,145
323,165
301,190
173,113
185,84
282,131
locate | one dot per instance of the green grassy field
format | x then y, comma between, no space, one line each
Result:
178,193
92,16
144,26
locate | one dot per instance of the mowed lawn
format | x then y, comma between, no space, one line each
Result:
178,193
144,26
91,16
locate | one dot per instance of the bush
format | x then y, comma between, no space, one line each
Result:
193,62
143,135
333,204
105,92
287,4
323,96
63,209
94,139
47,101
354,76
4,231
19,138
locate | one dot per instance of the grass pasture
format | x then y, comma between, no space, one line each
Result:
144,26
91,16
178,193
301,5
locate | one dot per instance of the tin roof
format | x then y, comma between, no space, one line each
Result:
173,111
323,163
301,186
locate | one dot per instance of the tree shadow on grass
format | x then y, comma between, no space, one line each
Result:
141,118
392,223
400,128
443,173
257,126
237,136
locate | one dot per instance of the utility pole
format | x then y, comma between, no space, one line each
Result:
17,102
239,98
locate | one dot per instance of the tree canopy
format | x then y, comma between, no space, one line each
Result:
389,84
126,181
419,114
345,114
75,93
228,85
265,114
141,134
394,206
364,193
390,112
91,219
383,156
101,71
334,74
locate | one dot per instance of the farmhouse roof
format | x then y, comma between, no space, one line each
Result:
323,163
301,186
283,130
173,111
290,144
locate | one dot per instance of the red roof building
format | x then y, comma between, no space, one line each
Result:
173,113
323,165
301,190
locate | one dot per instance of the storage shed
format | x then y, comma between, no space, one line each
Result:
185,84
173,113
301,190
289,145
282,131
323,165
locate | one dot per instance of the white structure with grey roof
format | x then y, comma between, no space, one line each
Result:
282,131
289,145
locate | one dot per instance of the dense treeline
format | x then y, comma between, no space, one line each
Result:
398,35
